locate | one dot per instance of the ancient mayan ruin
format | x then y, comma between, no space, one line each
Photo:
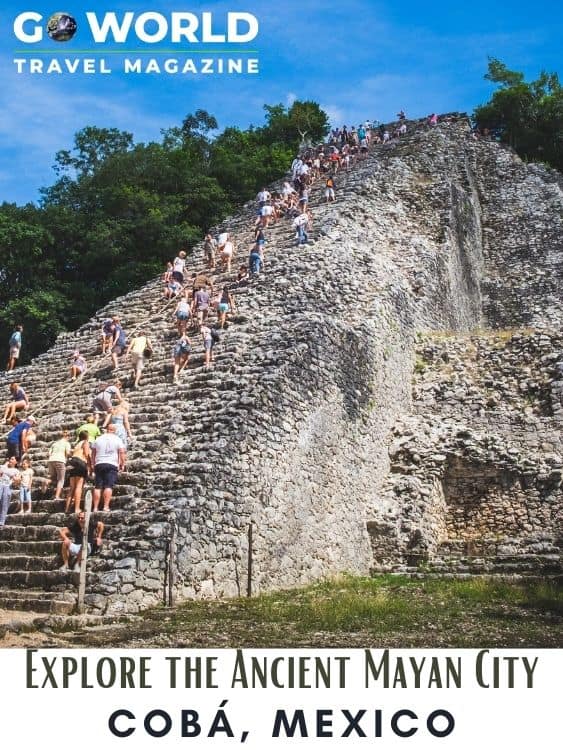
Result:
388,399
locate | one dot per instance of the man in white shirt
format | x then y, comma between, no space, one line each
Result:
179,267
108,457
263,197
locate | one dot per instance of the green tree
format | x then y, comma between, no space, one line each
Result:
30,288
528,116
118,210
303,121
91,147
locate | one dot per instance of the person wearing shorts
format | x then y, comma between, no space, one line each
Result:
172,289
226,304
179,267
107,334
77,364
72,537
136,350
26,474
108,458
227,255
201,304
59,452
181,354
182,314
266,214
80,467
103,400
19,401
118,342
15,344
209,250
207,344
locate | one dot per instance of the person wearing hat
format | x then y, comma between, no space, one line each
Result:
77,364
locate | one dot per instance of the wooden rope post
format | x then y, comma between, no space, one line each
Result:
82,581
249,571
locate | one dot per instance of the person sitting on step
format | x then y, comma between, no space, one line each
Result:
73,538
19,401
77,364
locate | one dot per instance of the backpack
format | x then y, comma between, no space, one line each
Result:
14,339
215,336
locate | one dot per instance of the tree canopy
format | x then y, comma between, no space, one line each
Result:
528,116
119,209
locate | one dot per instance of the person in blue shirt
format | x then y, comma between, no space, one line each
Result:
119,342
15,439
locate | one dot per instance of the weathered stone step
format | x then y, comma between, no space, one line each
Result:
24,546
464,576
56,520
20,562
45,579
15,532
501,548
524,565
55,509
37,601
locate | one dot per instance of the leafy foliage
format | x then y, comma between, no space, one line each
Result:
119,210
529,116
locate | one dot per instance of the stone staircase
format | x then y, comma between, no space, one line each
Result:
159,411
206,455
516,558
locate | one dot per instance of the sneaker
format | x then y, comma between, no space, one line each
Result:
76,568
64,569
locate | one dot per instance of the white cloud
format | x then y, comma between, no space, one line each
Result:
40,117
336,114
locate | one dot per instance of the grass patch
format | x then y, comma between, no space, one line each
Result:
386,611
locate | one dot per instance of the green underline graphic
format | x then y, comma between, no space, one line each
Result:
137,52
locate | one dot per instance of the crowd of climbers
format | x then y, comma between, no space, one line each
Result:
200,310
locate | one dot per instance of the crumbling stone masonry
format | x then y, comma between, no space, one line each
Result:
368,409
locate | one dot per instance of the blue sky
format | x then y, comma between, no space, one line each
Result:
358,59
